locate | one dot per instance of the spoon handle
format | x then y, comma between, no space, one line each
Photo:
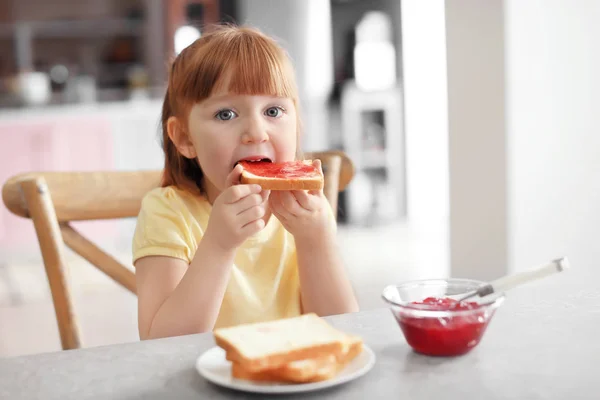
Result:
508,282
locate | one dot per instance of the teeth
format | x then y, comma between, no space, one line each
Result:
254,161
261,160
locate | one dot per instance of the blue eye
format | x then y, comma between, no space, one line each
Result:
274,112
225,115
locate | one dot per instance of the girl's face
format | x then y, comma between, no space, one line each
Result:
227,128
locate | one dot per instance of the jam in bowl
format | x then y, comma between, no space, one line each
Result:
434,322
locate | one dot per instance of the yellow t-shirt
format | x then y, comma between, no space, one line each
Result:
264,283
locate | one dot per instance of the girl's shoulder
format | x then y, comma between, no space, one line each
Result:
167,193
174,203
169,223
172,197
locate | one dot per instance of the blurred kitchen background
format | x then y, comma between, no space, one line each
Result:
471,123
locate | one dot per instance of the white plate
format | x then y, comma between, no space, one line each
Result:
213,366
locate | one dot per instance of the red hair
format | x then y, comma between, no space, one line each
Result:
242,60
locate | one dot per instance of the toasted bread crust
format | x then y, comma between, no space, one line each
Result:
271,183
316,183
278,360
238,372
355,349
321,373
307,370
316,370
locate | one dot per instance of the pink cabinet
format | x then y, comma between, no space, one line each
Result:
52,144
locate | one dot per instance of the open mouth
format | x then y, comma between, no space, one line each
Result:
254,160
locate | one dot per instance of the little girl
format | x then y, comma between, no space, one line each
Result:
210,252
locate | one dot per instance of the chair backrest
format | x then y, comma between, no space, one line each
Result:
53,199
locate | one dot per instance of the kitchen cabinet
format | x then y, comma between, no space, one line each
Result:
77,143
116,136
373,128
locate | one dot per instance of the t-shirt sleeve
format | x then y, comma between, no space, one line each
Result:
162,227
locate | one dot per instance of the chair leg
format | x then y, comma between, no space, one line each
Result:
41,211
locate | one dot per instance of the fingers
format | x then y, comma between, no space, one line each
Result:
277,209
251,208
250,215
265,194
248,202
278,215
234,176
288,205
298,201
238,192
289,202
275,204
303,199
317,164
252,227
278,206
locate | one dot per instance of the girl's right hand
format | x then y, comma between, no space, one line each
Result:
237,213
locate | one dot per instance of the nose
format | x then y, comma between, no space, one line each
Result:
254,132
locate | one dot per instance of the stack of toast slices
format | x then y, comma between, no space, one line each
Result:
301,349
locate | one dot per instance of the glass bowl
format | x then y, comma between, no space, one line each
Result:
431,319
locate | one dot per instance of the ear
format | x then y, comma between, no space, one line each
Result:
180,138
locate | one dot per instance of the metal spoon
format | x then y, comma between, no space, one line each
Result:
508,282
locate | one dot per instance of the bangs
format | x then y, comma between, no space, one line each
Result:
256,67
239,62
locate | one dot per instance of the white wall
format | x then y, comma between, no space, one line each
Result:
553,84
523,78
425,111
477,136
426,127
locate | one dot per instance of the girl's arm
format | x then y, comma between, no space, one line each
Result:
176,299
325,287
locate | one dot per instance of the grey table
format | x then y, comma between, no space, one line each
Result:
544,343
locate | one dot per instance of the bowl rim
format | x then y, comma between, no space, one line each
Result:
494,300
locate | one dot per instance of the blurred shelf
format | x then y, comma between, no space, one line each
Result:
11,104
64,29
372,159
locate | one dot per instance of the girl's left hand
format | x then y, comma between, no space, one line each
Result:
305,214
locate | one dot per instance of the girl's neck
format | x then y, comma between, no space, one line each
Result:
211,191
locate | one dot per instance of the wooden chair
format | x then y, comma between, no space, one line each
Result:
53,199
